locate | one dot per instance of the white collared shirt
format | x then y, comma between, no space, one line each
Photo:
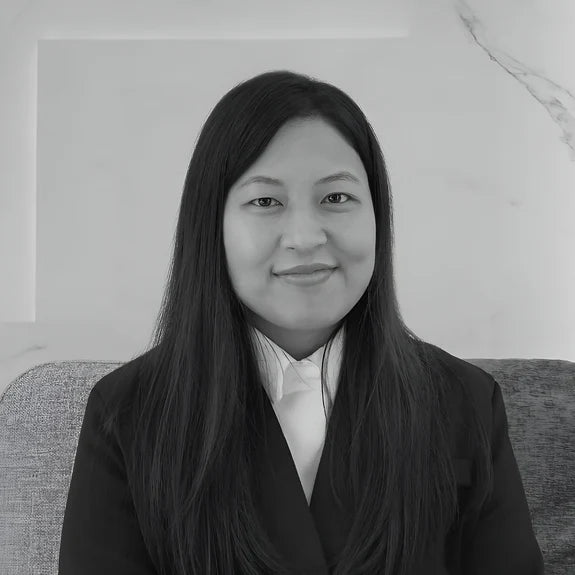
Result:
300,421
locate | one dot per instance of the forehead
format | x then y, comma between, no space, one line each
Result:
303,150
300,138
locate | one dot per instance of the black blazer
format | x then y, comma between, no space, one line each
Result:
101,534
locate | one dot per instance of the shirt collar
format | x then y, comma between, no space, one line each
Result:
275,362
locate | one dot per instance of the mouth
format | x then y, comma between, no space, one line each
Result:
306,273
307,279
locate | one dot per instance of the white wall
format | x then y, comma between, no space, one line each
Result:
101,103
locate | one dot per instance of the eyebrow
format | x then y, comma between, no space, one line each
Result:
337,177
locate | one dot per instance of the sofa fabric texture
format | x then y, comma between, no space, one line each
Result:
41,414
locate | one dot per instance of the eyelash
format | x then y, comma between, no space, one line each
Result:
268,198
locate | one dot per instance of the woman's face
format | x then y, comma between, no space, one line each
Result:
301,223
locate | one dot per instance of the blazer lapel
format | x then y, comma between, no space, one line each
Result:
310,537
307,536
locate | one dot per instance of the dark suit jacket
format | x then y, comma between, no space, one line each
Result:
101,535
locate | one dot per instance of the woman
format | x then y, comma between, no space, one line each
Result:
203,456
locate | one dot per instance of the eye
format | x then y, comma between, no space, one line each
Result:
329,195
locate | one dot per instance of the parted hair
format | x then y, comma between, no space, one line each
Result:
196,410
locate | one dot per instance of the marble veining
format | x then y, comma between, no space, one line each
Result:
558,101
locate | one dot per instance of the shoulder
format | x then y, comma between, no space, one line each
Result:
478,385
476,379
117,389
114,399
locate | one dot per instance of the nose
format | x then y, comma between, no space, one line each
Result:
302,229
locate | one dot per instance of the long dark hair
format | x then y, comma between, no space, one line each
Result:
196,410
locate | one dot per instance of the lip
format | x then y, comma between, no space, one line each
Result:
305,269
302,280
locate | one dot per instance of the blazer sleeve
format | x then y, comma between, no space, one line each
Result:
502,541
100,532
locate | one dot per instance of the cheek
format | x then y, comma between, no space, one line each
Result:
361,250
239,243
247,261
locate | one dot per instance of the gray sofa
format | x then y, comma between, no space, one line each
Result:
41,414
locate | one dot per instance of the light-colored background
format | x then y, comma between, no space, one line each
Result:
102,102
